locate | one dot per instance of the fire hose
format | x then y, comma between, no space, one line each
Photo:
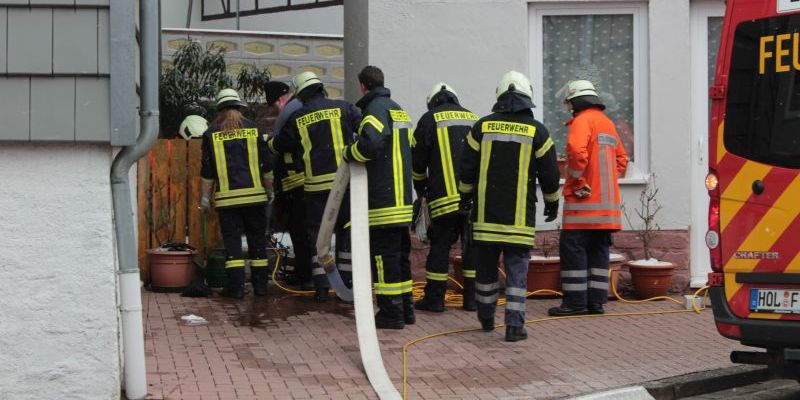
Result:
361,293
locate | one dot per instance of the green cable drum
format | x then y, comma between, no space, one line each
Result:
215,268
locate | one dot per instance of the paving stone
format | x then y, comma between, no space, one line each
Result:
286,347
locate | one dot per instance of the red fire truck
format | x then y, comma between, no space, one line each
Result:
754,182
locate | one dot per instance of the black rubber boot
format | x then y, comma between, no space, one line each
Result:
596,309
468,293
234,283
408,309
564,311
259,278
390,312
321,295
487,324
434,297
515,333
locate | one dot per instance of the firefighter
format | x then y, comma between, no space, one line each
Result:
506,152
384,146
596,159
316,135
439,140
234,159
289,179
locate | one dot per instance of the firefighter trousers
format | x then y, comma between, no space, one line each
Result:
252,222
315,208
584,267
515,261
292,202
445,231
391,268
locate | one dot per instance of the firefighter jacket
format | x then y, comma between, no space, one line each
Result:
439,141
288,173
317,134
595,158
384,145
237,160
506,152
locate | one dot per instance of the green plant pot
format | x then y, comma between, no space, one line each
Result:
215,268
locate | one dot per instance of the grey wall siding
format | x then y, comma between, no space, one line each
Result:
30,41
14,108
55,70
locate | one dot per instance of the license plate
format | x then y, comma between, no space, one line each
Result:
782,301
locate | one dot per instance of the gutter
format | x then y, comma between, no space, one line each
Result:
135,382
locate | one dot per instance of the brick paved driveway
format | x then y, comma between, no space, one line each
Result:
287,347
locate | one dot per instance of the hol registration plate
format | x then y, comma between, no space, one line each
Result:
775,300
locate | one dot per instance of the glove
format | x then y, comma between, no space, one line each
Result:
205,203
583,192
550,210
205,194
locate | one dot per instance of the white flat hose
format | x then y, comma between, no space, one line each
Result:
362,287
329,217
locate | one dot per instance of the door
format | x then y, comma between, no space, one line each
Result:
705,33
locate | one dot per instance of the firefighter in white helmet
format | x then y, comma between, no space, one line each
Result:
193,126
596,159
506,153
440,136
317,134
234,159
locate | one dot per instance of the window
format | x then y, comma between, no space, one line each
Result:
605,44
762,115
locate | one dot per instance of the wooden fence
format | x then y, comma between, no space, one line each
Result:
168,198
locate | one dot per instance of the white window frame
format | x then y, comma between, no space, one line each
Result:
638,170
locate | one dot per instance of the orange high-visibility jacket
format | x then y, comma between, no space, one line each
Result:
595,157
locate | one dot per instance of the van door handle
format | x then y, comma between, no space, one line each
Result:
758,187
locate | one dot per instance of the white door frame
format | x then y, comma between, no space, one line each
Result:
701,10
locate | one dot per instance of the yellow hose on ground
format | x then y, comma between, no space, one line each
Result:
278,284
695,309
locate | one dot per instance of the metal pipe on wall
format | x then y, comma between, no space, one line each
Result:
135,378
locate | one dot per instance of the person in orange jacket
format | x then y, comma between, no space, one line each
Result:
596,159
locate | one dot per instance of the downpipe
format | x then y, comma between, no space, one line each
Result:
134,374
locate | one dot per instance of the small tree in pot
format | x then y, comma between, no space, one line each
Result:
650,276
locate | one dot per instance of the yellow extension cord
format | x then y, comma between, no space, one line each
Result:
453,299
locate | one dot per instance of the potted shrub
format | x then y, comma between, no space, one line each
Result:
650,277
544,268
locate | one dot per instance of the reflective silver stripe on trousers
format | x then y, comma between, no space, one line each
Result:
516,306
345,267
318,271
574,287
512,291
487,287
599,271
344,254
315,259
581,273
486,299
455,122
402,125
502,137
598,285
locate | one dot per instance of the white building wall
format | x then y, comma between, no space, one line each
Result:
326,20
471,43
58,315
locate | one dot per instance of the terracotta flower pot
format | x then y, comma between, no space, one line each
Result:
544,273
651,279
171,269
